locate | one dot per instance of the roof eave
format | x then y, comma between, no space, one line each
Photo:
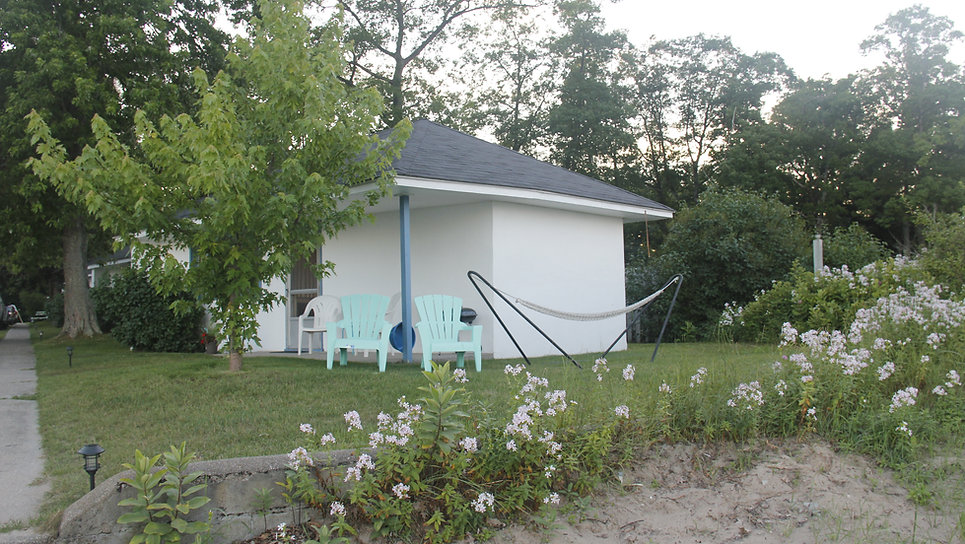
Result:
414,186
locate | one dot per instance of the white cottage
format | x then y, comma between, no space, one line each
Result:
537,231
534,230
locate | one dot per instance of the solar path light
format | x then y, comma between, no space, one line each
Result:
91,453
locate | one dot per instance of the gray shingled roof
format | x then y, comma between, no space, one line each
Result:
434,151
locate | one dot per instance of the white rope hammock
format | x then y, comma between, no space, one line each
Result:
572,316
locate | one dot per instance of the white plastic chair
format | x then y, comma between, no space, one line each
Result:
319,311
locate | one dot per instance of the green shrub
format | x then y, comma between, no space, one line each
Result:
30,303
828,301
944,258
728,247
137,316
853,247
55,310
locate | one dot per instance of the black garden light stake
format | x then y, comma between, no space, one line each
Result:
91,453
70,356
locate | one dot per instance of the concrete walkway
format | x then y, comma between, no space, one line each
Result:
21,457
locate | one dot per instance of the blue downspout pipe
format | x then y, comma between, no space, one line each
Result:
404,232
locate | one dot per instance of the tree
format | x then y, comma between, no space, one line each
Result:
589,127
806,153
70,61
915,100
515,73
392,37
729,246
707,89
253,181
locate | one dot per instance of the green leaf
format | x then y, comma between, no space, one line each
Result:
197,502
156,528
133,517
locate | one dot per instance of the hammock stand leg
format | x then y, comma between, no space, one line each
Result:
473,273
679,279
667,319
624,333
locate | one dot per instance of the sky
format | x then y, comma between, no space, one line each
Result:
816,38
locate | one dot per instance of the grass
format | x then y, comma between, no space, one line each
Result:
127,400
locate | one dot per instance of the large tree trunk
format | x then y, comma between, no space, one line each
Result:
79,317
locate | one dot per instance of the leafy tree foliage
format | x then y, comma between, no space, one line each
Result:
589,128
392,40
805,154
263,169
729,246
692,93
913,159
70,61
871,148
515,80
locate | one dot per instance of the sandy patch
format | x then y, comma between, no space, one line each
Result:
792,493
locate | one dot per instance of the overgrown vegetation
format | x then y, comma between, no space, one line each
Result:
728,247
137,316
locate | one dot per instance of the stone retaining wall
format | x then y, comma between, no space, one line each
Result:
232,484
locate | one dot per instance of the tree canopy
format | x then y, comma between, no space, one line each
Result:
70,62
256,178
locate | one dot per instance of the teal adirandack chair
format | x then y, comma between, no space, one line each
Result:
363,326
440,328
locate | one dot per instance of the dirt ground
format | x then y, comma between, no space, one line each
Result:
790,493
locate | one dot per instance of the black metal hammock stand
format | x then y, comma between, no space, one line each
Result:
474,276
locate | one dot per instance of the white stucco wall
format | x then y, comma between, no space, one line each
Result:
563,260
446,243
272,323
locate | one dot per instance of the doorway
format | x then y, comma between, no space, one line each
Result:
303,286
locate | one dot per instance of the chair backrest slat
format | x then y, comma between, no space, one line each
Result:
442,314
364,314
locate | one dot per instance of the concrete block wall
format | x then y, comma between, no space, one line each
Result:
232,485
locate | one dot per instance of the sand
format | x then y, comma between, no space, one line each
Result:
799,492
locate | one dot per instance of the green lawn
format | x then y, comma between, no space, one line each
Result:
125,400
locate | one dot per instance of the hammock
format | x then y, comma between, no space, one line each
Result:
473,276
572,316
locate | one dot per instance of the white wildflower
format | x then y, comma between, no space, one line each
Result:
401,490
354,420
903,397
483,502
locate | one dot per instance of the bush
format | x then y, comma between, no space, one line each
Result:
853,247
30,303
137,316
729,247
55,310
944,258
442,474
828,301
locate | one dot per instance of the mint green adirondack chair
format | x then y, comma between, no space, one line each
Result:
363,326
440,328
